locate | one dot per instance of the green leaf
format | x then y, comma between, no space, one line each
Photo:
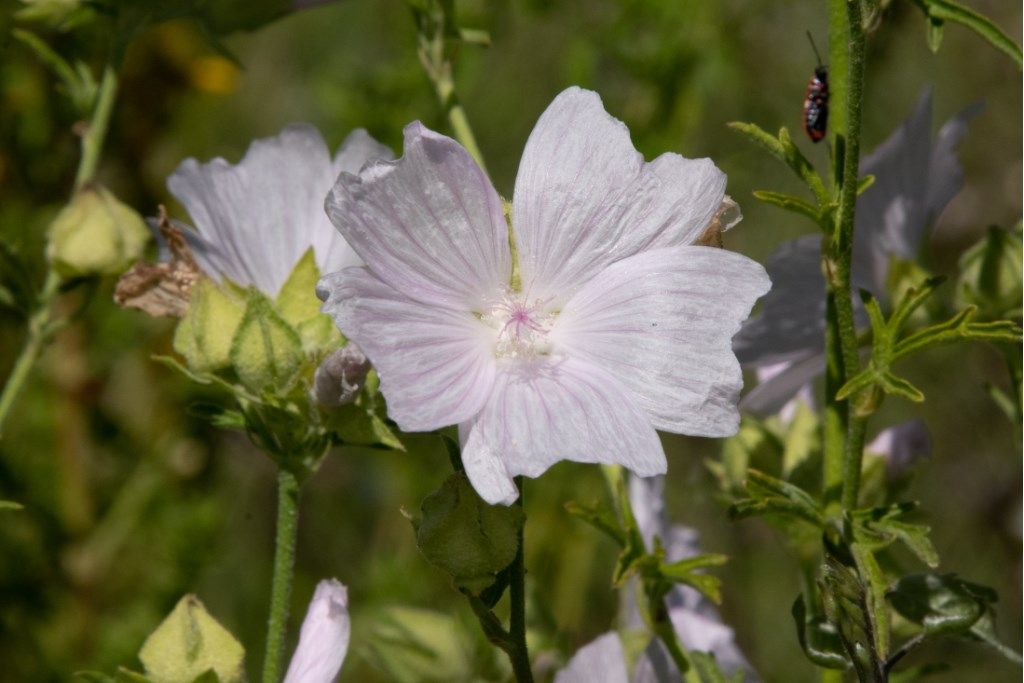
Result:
10,505
599,517
984,630
708,671
864,183
356,425
17,291
818,638
771,496
789,203
266,351
946,10
958,328
78,83
876,588
893,385
464,536
802,439
878,527
941,603
188,643
783,149
684,571
992,275
934,29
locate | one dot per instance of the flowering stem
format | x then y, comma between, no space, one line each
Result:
284,572
96,130
40,329
520,656
41,325
853,452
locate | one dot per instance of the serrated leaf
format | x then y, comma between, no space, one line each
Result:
769,495
266,351
684,571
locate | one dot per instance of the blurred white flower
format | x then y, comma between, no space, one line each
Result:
255,219
323,640
599,661
603,323
695,618
915,178
902,445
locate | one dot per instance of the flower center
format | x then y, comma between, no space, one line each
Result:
522,327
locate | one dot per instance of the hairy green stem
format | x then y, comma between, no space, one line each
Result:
445,88
40,329
853,452
520,656
284,572
96,130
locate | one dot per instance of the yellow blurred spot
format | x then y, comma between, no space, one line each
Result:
213,74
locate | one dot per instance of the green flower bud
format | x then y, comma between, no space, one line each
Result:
188,643
96,234
204,336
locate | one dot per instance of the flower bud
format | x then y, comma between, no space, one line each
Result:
340,377
323,640
96,234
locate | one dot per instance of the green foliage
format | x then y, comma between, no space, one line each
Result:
889,345
783,148
848,608
461,534
17,291
937,12
818,637
991,275
188,644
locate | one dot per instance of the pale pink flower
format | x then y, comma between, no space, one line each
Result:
323,639
255,219
612,325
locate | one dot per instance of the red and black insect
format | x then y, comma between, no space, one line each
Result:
816,100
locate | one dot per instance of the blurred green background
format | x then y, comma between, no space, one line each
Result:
131,502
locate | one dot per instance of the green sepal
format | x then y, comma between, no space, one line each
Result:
188,644
205,335
266,351
818,638
461,534
355,425
299,307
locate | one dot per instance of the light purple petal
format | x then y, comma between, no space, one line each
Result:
584,198
256,219
945,174
436,365
323,640
544,412
771,395
902,445
661,323
429,224
792,315
600,661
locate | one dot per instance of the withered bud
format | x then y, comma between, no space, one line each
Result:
727,215
340,377
161,289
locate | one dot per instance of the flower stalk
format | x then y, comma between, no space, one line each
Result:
284,572
42,325
519,656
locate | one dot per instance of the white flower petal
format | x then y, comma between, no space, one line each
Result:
584,197
661,323
256,219
542,413
791,317
600,661
357,150
945,174
323,640
429,224
902,445
435,364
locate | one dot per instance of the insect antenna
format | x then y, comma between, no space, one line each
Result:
815,48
